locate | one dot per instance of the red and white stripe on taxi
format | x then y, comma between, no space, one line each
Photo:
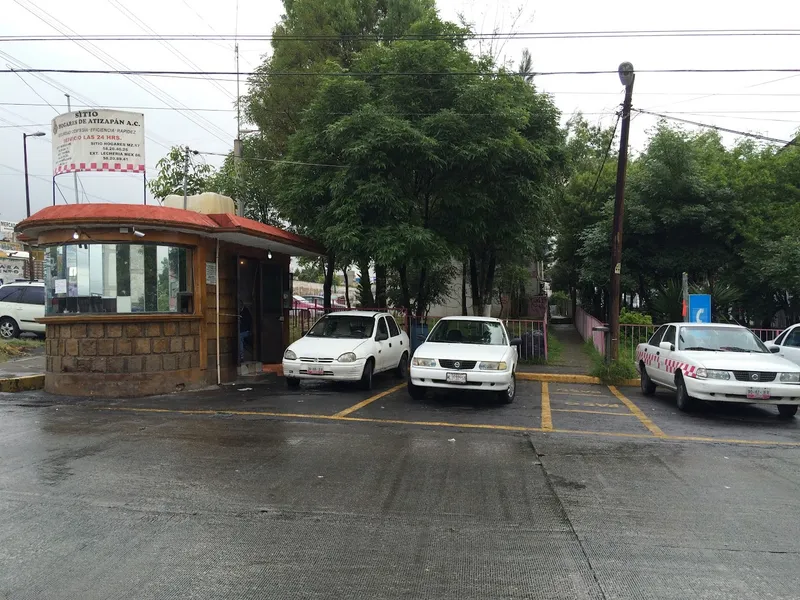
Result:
670,365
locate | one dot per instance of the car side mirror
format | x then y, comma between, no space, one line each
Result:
379,337
775,349
666,346
516,341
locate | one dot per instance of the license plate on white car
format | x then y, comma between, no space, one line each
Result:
758,393
456,378
316,371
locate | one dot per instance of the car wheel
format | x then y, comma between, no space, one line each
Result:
402,367
787,411
292,383
416,392
685,402
366,377
648,387
507,396
8,328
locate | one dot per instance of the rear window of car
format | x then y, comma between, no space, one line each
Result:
656,339
33,294
393,329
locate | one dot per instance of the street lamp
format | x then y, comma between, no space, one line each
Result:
25,137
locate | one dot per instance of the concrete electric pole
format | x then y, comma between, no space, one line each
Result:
626,76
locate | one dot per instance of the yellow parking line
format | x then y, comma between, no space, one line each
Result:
612,434
547,418
654,429
593,412
364,403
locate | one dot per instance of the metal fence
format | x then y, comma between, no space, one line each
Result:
533,335
767,335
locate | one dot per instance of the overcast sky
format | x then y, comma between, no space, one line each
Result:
758,102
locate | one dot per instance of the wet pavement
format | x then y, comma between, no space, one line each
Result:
572,491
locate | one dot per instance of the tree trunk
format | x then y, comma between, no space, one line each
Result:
474,284
573,297
380,286
405,294
464,288
330,268
365,287
421,303
346,288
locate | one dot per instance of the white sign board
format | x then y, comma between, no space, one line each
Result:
98,140
211,273
7,230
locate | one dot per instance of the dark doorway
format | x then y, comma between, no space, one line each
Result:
274,282
247,309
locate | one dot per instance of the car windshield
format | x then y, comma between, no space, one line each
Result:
343,326
720,339
453,331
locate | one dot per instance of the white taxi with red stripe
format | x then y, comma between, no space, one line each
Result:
719,363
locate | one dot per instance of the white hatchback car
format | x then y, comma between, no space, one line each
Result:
348,346
466,353
718,363
21,303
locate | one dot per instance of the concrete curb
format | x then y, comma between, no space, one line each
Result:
22,384
566,378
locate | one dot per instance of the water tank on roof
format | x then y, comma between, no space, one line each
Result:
207,203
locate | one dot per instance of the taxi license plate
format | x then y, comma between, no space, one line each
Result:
456,378
758,394
316,371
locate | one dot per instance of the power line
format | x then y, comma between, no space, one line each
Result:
530,35
109,60
32,89
605,155
756,136
285,162
204,74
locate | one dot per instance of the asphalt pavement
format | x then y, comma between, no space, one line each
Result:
573,491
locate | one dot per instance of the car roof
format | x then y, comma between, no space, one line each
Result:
34,282
356,313
471,318
684,324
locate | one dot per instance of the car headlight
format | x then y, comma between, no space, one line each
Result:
790,377
712,374
289,355
423,362
347,357
493,366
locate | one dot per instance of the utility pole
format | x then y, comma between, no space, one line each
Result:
626,76
25,137
685,290
185,174
74,173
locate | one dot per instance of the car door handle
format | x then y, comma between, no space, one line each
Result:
390,344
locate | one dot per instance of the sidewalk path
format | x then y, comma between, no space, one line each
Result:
573,359
27,365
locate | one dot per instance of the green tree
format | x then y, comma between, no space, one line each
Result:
200,175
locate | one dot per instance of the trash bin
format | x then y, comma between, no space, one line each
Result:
418,334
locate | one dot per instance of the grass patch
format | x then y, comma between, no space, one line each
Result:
16,348
613,373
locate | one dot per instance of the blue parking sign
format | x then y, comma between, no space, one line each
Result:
699,308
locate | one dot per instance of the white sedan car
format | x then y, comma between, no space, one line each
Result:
719,363
348,346
466,353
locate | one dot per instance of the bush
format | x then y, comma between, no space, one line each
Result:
631,317
613,373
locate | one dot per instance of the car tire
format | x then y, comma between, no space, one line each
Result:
787,411
8,328
415,391
292,383
401,372
366,376
684,401
648,387
507,396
